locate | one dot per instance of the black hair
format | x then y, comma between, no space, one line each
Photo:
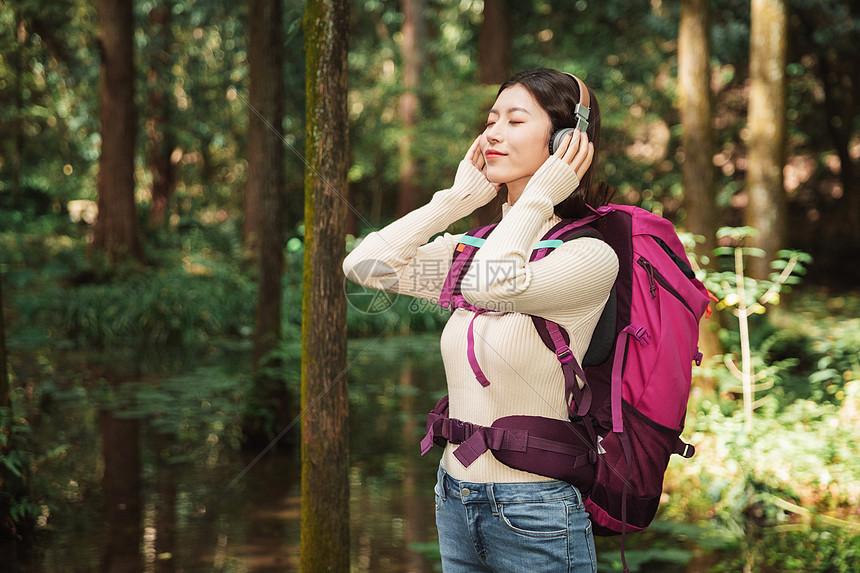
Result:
558,93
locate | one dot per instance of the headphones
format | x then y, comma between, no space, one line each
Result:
581,112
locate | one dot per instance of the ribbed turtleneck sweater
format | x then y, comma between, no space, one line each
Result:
569,286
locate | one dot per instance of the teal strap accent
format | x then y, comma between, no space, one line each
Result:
472,241
550,244
478,242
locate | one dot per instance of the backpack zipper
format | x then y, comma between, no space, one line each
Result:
654,274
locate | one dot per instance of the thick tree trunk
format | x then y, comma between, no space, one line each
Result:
117,230
494,63
694,90
158,131
413,38
767,207
325,438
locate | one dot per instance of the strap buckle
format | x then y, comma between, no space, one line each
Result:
564,355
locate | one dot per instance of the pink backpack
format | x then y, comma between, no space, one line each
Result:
627,419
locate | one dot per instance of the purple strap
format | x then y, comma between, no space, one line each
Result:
570,368
470,351
642,336
628,458
434,422
452,281
485,438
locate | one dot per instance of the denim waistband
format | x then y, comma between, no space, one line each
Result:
492,493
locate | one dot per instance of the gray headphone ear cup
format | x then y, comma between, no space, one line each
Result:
557,138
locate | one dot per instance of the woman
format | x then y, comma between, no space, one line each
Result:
491,517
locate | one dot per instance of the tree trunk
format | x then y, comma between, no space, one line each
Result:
325,439
117,230
413,38
494,63
266,165
158,131
766,210
265,115
494,43
266,178
694,91
697,171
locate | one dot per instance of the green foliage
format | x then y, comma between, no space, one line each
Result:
153,308
17,462
764,478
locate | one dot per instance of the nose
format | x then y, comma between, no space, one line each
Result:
493,134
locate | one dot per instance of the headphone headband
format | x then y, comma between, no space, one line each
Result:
583,108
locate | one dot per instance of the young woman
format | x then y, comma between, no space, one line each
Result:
491,517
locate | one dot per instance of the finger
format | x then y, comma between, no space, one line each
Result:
581,152
474,150
586,163
480,160
572,146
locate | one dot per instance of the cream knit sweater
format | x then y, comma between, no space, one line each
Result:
570,286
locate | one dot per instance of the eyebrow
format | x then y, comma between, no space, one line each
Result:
511,110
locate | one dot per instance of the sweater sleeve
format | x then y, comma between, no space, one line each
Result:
399,259
577,274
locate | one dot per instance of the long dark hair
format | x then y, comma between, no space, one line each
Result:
558,93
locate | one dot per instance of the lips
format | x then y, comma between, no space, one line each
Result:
493,153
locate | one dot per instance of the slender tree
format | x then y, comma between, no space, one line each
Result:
697,171
766,210
413,58
117,230
265,184
325,440
694,98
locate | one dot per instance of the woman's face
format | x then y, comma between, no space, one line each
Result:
515,140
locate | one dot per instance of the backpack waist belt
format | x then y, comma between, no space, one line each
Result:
543,446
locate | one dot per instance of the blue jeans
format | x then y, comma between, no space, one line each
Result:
539,527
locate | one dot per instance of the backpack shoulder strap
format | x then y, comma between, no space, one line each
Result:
464,252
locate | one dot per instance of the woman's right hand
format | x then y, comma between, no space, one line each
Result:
471,189
476,157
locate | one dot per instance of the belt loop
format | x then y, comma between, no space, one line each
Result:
492,497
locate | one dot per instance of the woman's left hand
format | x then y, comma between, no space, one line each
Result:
559,176
577,152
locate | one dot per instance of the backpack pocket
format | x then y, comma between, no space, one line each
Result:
640,464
